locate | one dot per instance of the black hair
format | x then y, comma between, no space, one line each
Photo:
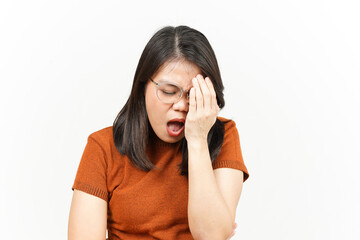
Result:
167,44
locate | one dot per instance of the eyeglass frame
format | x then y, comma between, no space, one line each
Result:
181,90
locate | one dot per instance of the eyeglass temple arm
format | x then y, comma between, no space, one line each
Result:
154,82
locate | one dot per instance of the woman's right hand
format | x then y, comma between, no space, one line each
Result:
233,232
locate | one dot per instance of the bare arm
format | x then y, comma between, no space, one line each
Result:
87,218
209,215
212,196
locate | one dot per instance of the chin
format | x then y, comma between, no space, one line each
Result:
170,139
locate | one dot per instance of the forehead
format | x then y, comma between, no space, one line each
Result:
178,72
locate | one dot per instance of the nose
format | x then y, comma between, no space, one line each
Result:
182,104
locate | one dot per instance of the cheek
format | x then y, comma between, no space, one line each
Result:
155,109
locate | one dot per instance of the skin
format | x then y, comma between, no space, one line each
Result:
199,111
203,110
159,113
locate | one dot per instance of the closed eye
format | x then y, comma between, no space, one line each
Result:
169,93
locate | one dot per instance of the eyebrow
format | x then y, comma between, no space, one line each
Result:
165,80
168,81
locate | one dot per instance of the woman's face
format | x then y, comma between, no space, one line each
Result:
165,118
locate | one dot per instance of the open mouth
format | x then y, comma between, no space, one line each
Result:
175,128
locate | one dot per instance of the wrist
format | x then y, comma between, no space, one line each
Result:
197,144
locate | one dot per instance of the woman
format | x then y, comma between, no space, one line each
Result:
168,168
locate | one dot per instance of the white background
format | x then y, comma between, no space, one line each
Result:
291,76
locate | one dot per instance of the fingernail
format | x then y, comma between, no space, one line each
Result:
195,80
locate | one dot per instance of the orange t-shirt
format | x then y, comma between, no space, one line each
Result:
144,205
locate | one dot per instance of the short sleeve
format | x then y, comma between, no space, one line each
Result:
230,155
91,173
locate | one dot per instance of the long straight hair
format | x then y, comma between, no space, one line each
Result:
131,128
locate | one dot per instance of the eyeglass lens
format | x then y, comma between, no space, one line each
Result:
168,93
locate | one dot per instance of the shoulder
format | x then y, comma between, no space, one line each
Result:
229,124
103,136
231,133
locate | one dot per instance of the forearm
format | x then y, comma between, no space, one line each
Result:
208,214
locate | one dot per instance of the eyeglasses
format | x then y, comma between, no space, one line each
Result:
169,92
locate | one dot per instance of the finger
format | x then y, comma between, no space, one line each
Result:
210,86
232,234
212,92
205,92
192,104
198,96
